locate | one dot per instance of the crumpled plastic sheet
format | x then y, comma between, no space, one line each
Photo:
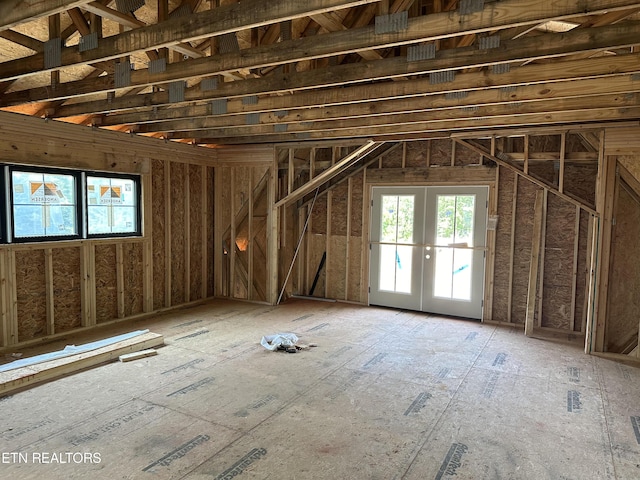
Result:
273,342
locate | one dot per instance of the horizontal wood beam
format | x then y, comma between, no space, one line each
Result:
76,146
422,103
130,21
467,174
576,119
516,50
336,43
450,115
14,12
217,21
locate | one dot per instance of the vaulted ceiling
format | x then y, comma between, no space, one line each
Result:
214,72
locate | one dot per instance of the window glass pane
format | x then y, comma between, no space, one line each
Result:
446,219
452,273
389,218
397,218
44,204
465,206
111,205
395,268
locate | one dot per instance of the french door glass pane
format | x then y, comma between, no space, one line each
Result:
396,228
395,268
454,227
397,218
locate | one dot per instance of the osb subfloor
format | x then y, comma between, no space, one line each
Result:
385,395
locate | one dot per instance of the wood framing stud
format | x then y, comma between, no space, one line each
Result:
534,265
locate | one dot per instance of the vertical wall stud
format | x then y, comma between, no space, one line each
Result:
543,241
187,235
167,234
250,248
535,260
48,280
147,252
512,246
574,276
120,279
206,225
563,149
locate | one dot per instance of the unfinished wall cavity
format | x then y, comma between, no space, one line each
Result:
333,259
241,210
564,167
52,288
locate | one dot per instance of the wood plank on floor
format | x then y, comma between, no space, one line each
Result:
25,377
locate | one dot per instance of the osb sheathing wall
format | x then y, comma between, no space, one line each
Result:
182,232
563,269
57,287
338,225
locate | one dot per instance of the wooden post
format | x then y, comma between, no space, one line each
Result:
232,241
605,187
250,238
54,32
9,332
147,253
543,241
167,234
491,251
588,274
525,167
404,154
327,248
88,284
307,283
514,203
187,235
12,298
218,254
120,279
533,266
347,262
428,159
290,171
48,281
574,282
206,224
364,251
300,259
312,163
453,153
272,239
563,150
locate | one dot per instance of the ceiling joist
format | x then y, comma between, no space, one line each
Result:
324,69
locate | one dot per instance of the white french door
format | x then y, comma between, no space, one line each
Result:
427,249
